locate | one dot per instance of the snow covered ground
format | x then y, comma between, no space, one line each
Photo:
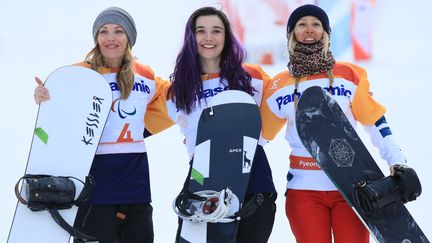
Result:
38,36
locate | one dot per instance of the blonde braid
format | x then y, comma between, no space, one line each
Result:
326,43
291,43
330,76
125,76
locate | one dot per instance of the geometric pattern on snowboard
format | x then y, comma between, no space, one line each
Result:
227,136
67,131
330,138
341,152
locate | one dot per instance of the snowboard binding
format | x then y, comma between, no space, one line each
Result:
206,206
373,196
53,193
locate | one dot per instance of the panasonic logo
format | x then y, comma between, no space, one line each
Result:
138,86
210,92
336,91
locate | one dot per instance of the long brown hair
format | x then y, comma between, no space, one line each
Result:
125,76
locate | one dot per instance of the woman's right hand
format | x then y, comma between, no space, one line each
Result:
41,93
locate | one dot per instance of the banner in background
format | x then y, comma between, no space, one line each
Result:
261,26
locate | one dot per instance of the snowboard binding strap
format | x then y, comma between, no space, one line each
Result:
250,207
206,206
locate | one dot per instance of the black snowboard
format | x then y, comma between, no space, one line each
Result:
329,137
227,137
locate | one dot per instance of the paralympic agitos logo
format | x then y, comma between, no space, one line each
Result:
116,108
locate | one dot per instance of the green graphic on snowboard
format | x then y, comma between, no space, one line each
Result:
42,135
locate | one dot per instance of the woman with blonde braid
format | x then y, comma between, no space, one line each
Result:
317,212
119,208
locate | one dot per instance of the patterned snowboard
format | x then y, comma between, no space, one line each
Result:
332,141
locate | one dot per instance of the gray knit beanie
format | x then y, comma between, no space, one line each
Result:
115,15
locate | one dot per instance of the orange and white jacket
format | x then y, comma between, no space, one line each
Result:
351,91
123,132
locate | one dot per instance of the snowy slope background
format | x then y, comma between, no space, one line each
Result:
37,37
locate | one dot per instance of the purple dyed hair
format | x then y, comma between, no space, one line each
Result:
186,83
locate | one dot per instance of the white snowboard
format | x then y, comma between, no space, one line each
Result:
67,132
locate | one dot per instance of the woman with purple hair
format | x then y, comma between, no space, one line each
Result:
210,62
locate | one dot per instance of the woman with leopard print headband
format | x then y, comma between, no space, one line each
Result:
316,211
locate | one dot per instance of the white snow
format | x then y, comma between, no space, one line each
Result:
38,36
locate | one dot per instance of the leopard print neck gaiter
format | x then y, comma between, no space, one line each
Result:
308,59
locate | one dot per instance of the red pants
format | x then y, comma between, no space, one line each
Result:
315,215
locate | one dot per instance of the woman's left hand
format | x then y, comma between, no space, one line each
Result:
41,93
